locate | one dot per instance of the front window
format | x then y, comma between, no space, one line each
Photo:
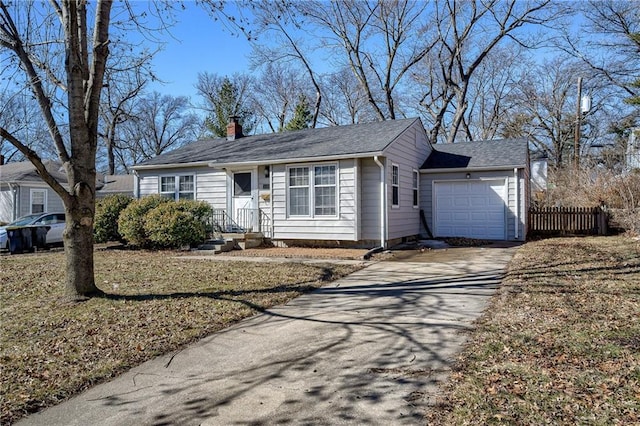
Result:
38,200
313,190
178,187
395,186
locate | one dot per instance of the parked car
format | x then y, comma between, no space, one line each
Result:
55,221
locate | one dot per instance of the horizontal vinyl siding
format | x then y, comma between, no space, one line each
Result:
211,184
54,202
408,152
426,196
342,227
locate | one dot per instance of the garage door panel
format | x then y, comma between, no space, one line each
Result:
473,209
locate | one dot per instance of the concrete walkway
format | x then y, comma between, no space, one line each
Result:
368,349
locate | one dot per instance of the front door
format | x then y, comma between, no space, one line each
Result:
243,200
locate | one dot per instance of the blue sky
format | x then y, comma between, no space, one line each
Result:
197,43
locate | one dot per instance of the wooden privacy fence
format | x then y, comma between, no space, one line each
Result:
554,221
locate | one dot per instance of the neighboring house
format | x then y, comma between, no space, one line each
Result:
539,172
359,185
23,192
115,184
632,157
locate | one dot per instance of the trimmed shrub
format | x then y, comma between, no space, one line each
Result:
131,221
174,225
108,209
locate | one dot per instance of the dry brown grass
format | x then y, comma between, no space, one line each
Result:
560,343
155,304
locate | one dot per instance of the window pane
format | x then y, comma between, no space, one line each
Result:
395,198
299,201
325,200
394,174
242,183
325,175
415,179
299,176
186,183
415,197
186,195
37,201
167,184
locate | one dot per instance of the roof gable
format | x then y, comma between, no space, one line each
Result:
499,153
334,141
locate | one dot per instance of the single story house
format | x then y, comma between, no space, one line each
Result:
23,192
360,185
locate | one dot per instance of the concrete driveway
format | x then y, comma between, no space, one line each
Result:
368,349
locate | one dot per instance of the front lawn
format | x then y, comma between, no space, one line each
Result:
155,304
560,343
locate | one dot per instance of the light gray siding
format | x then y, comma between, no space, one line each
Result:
408,152
322,228
54,202
211,184
514,212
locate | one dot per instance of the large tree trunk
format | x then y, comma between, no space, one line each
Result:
78,246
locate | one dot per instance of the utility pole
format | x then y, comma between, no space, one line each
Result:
576,140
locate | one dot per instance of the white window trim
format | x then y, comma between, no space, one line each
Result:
415,174
31,192
395,185
176,183
311,195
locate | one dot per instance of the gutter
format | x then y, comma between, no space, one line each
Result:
471,169
170,166
294,160
383,204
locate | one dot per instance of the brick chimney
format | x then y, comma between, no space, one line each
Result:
234,129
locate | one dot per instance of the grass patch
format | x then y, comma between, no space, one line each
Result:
560,343
155,304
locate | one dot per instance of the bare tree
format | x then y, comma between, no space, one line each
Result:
381,41
609,43
162,122
468,32
120,92
345,100
545,110
277,22
82,79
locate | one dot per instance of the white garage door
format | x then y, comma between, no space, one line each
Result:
472,209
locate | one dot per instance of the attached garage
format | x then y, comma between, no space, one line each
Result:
472,209
477,189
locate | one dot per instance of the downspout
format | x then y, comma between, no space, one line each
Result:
273,222
14,201
383,204
517,219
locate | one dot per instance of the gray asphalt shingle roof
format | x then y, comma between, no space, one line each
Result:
25,171
310,143
480,154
